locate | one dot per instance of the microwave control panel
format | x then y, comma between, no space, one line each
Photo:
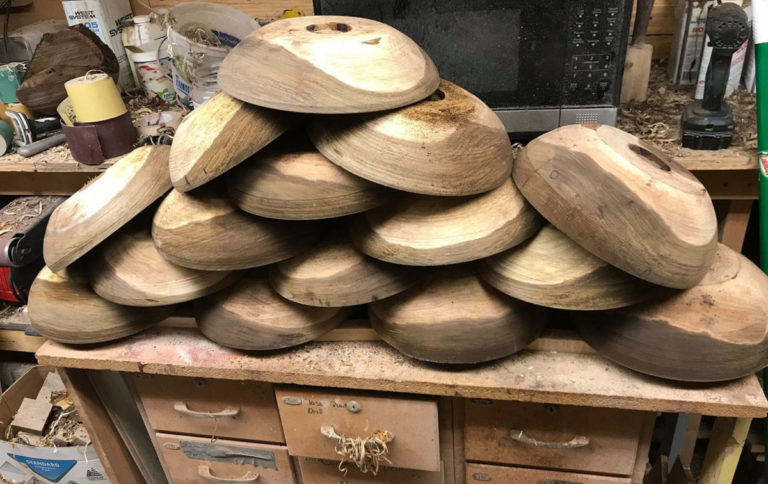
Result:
598,32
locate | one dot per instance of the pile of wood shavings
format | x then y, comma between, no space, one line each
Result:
658,118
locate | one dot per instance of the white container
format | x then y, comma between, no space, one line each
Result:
143,42
104,18
194,64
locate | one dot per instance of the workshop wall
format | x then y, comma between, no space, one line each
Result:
660,28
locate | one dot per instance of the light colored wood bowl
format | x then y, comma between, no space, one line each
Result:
205,230
99,209
450,144
452,317
623,200
328,65
429,231
554,271
300,185
218,135
128,269
715,331
252,316
64,308
335,274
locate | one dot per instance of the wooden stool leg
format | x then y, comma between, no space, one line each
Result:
725,444
110,448
734,224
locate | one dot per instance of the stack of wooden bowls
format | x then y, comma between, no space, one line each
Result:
336,169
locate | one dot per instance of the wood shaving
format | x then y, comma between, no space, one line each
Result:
658,118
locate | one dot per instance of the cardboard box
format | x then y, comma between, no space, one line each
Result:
26,464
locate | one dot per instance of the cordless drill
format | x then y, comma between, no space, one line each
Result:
708,124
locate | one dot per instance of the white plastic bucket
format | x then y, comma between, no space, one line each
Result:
195,65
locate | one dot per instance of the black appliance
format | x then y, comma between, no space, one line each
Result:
539,64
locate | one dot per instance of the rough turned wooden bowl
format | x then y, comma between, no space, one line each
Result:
300,185
554,271
452,317
128,269
99,209
623,200
252,316
205,230
64,308
328,65
218,135
335,274
428,231
715,331
450,144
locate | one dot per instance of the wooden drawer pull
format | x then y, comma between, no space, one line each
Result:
574,443
205,473
183,409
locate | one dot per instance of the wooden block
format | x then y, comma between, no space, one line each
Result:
32,416
637,71
52,386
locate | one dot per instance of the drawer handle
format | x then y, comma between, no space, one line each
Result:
183,409
205,473
574,443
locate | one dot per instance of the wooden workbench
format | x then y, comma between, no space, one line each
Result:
534,375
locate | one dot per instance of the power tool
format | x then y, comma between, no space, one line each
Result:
708,124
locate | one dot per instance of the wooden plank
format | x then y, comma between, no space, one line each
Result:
110,448
734,225
58,159
723,160
643,447
729,185
15,340
662,45
545,377
728,436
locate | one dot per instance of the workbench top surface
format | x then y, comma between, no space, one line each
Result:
538,376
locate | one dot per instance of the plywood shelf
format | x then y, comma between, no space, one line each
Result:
573,378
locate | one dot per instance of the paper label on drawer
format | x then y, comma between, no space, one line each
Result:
230,454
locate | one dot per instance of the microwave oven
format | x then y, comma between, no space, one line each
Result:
539,64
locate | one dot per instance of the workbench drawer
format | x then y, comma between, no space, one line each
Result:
585,439
412,421
480,474
320,471
220,408
197,460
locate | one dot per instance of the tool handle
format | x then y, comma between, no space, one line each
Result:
718,71
642,17
39,146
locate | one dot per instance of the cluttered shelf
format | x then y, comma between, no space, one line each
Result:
558,377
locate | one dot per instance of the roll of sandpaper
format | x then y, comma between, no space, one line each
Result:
95,98
92,143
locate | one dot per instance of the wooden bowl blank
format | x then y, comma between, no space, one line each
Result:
128,269
219,134
428,231
100,208
554,271
623,200
717,330
336,274
204,230
301,185
449,144
252,316
62,307
327,64
452,317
